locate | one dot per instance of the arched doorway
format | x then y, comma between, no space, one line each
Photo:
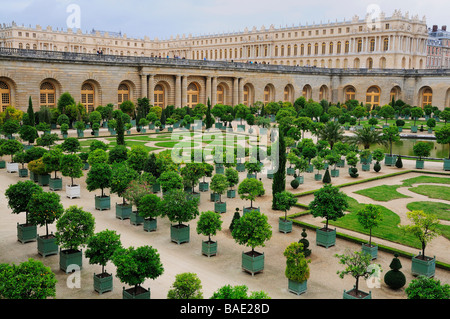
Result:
5,93
193,94
47,94
123,93
88,96
373,96
159,96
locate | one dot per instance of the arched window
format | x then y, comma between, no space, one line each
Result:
386,44
316,48
350,94
373,96
302,50
347,46
87,96
47,94
331,48
193,94
289,50
248,98
287,94
158,96
220,95
395,93
123,93
369,63
268,94
356,63
359,46
338,48
306,92
5,93
295,50
276,50
309,48
323,93
427,97
372,45
323,48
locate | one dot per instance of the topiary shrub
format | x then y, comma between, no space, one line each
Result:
295,184
399,163
327,177
394,278
354,172
305,242
377,167
236,217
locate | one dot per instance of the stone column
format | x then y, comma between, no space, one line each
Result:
241,91
208,89
183,90
178,91
235,91
214,91
151,88
144,87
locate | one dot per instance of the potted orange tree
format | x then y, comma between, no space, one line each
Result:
18,196
135,191
369,217
297,268
121,177
148,208
250,189
208,225
74,228
100,249
219,185
45,208
99,177
71,166
285,200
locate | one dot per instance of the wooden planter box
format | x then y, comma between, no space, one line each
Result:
310,169
220,208
270,175
251,176
141,294
214,197
180,233
135,219
44,180
361,295
70,260
318,177
250,209
297,288
12,167
241,127
123,211
73,191
325,238
253,264
156,188
341,163
103,283
203,186
2,164
150,224
231,193
423,267
220,169
390,160
23,172
55,184
420,164
300,179
285,226
334,173
366,167
414,129
290,171
103,203
240,167
371,250
47,246
209,248
26,233
446,164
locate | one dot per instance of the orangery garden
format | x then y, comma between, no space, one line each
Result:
279,201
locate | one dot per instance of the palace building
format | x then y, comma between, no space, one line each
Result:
334,61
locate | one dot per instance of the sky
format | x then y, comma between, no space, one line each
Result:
164,18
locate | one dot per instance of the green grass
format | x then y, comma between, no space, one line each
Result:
442,210
388,228
172,144
383,193
426,180
432,191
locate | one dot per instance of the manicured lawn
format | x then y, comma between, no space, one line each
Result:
172,144
388,228
383,193
432,191
426,180
442,211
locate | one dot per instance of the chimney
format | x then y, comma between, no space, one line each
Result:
444,28
435,28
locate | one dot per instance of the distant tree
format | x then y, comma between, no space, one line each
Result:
186,286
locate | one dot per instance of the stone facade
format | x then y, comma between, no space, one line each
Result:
396,42
188,82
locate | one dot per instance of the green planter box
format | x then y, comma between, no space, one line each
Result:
2,164
420,164
103,283
250,209
285,226
203,186
251,176
80,134
220,169
135,219
371,250
44,180
86,166
180,233
129,293
123,211
156,188
102,203
400,129
290,171
334,173
297,288
33,177
23,172
414,129
26,233
55,184
363,295
240,167
70,260
220,208
366,167
270,175
318,177
47,246
214,197
446,164
231,193
325,238
341,163
241,127
300,179
423,267
253,264
150,224
390,160
209,248
310,168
